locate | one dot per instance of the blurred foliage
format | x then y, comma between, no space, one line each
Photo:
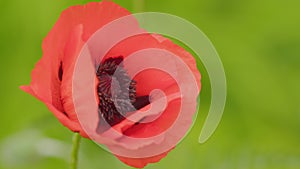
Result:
259,44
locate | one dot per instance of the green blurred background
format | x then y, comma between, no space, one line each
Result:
259,44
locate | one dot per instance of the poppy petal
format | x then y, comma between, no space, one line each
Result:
59,115
153,79
46,80
149,80
142,162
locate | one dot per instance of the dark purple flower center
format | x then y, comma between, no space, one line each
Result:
117,93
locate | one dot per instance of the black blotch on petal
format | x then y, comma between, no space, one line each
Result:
60,72
141,102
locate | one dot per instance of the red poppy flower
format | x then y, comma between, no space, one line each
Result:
52,79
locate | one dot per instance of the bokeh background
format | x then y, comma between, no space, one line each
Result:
259,44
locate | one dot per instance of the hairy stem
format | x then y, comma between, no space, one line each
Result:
75,149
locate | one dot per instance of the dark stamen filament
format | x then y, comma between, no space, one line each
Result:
117,93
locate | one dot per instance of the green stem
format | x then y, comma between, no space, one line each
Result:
138,5
75,148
